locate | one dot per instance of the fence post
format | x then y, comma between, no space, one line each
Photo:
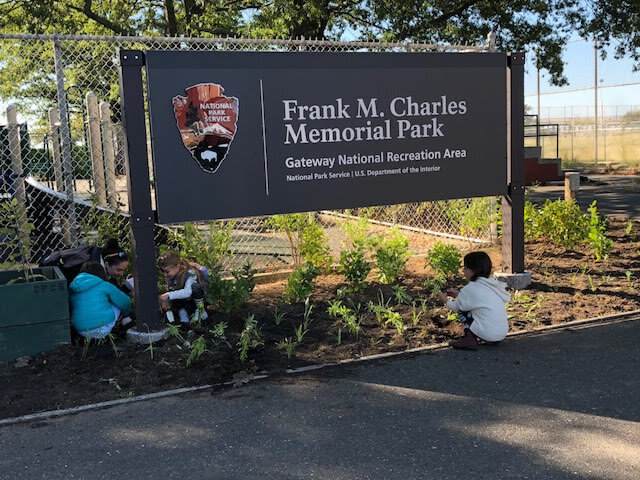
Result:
67,168
54,124
109,154
95,147
15,152
139,190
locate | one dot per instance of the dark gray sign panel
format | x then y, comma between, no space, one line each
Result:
239,134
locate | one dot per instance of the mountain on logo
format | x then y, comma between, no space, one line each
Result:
207,123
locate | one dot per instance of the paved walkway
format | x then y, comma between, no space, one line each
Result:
553,406
617,195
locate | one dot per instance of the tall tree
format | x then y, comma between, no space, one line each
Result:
541,26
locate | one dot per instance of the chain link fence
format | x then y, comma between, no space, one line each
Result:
62,151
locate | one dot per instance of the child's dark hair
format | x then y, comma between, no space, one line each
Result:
95,269
479,263
112,253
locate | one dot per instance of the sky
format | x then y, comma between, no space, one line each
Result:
579,69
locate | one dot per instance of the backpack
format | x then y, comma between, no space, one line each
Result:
70,261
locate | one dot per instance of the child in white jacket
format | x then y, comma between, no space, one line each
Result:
481,303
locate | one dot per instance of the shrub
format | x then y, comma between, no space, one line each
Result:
353,261
228,294
472,217
597,240
209,248
15,231
445,260
391,255
355,268
300,283
307,240
563,223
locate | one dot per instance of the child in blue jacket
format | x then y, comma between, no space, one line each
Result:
96,304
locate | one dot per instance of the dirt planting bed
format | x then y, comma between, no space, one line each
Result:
566,286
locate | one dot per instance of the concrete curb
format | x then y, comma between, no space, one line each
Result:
613,318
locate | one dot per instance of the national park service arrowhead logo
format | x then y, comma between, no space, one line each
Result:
207,123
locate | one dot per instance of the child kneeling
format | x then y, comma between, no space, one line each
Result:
480,303
185,284
96,304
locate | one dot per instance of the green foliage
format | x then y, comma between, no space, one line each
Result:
197,349
314,247
563,223
209,247
560,221
349,319
16,229
597,239
174,331
250,337
228,294
289,345
353,260
307,241
278,317
219,329
415,314
391,255
355,268
101,224
445,260
300,283
401,295
395,320
473,217
308,308
434,286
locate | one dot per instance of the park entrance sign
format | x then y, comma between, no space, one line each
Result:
238,134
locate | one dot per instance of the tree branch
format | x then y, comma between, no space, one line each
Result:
445,16
105,22
172,23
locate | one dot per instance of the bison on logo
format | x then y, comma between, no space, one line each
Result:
207,123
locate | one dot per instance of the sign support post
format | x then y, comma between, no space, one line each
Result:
513,202
142,215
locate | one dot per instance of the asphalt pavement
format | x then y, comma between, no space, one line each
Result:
559,405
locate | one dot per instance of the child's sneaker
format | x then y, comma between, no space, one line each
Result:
201,312
184,316
468,342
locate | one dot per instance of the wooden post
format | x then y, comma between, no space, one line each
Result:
69,223
109,154
571,185
95,147
14,152
54,124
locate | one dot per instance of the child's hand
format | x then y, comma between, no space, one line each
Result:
442,297
452,292
164,301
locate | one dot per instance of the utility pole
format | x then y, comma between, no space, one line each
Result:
595,92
